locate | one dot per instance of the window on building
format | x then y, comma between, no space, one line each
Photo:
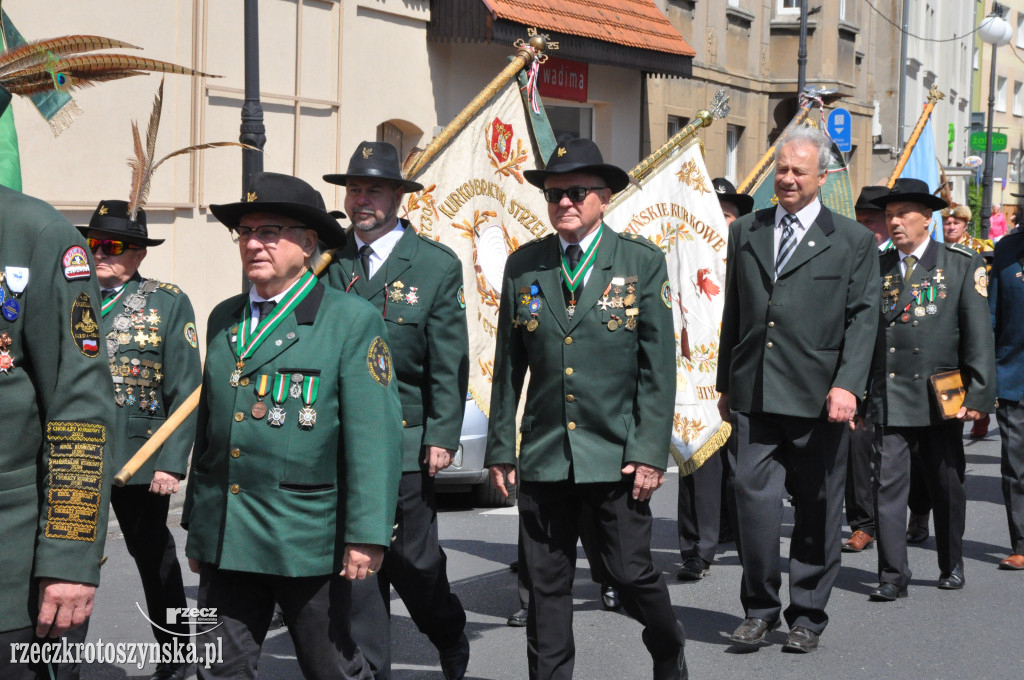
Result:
1018,98
975,59
675,124
733,134
1020,29
734,3
577,121
788,7
842,10
1001,94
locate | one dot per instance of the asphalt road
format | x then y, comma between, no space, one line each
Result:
933,634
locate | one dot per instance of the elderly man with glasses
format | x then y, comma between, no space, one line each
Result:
588,312
295,473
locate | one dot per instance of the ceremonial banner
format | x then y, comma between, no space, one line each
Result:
836,194
678,210
476,201
922,165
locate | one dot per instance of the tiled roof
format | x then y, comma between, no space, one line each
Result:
634,23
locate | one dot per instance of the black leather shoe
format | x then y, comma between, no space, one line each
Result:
170,671
887,592
277,620
455,659
752,631
800,641
610,598
672,669
517,620
693,569
513,566
954,580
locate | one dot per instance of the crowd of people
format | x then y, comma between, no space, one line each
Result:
331,399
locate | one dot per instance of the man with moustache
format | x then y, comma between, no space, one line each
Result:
416,285
294,477
934,318
595,434
797,332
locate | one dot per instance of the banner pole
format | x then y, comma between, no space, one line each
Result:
934,96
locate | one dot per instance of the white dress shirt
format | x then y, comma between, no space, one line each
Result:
382,247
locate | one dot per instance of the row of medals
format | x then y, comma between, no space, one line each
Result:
10,312
276,415
918,293
135,372
615,301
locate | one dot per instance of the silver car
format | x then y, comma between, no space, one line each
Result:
467,473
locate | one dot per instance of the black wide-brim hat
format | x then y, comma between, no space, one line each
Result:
374,160
913,191
869,195
726,192
277,194
111,218
577,154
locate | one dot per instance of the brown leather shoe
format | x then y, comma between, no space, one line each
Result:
1014,562
857,542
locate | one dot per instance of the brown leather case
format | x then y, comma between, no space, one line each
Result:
949,392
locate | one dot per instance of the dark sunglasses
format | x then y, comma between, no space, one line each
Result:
112,247
575,194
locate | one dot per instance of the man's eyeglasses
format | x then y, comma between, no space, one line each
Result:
265,234
575,194
111,246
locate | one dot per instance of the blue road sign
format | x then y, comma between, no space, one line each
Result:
840,129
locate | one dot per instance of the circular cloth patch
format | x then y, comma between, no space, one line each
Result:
191,335
666,294
981,281
378,359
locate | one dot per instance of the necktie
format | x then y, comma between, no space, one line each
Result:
265,307
787,244
910,261
364,254
573,253
108,293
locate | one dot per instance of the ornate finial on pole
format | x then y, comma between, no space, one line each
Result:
537,46
934,95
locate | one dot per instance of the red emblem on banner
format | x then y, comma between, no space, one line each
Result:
501,140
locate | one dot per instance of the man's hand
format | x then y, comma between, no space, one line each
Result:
437,459
500,473
361,560
723,407
193,565
968,414
63,606
646,481
164,483
841,405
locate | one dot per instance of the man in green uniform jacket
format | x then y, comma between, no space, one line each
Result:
54,472
151,345
294,478
588,313
416,285
934,318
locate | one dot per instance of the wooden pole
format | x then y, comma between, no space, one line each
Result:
527,53
933,97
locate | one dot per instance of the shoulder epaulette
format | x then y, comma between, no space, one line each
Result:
537,241
962,249
169,288
437,244
639,239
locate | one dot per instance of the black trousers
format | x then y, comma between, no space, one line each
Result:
769,455
316,609
549,527
860,483
1010,417
939,452
699,509
417,567
13,669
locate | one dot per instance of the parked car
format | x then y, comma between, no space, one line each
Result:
467,473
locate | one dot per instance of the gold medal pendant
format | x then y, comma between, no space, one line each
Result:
531,325
307,417
612,324
236,375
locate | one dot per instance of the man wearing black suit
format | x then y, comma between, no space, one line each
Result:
797,333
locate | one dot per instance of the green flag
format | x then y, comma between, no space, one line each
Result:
10,163
836,194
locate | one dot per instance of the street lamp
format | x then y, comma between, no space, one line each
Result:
997,32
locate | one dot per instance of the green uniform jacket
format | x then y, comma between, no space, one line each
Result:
597,398
785,344
418,291
286,501
914,345
54,474
160,363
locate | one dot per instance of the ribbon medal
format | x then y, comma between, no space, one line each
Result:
277,414
574,279
307,414
259,409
